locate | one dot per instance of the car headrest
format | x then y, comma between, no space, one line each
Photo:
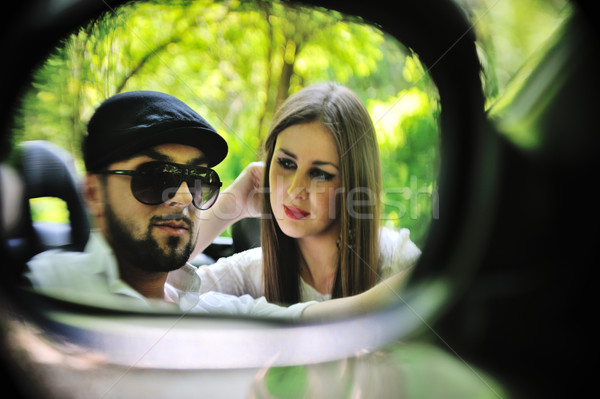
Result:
245,234
47,170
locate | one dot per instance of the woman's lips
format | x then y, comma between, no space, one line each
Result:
295,213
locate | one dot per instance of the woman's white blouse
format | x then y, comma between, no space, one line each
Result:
241,273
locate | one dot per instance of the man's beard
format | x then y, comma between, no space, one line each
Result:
145,253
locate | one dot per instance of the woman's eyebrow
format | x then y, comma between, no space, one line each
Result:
320,163
317,163
288,153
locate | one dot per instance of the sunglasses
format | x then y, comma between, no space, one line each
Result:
156,182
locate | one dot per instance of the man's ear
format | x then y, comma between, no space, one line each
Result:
93,192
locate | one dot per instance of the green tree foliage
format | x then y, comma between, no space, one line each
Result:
509,32
235,62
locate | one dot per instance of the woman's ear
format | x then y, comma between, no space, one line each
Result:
93,192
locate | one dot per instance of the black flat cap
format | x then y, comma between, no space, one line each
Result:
127,123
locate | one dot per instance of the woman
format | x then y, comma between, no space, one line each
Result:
320,233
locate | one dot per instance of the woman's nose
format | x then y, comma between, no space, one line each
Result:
299,186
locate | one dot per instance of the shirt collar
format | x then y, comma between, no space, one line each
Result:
182,285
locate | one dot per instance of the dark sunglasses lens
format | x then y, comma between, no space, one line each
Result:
152,185
205,190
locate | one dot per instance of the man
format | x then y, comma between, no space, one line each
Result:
148,158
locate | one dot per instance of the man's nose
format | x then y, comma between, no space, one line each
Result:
182,196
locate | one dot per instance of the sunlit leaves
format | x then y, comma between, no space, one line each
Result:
509,32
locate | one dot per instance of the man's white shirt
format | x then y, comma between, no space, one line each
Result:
92,277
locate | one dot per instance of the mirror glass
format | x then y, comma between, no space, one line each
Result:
235,63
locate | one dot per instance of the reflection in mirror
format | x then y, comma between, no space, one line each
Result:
242,67
510,35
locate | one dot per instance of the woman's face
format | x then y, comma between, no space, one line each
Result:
304,178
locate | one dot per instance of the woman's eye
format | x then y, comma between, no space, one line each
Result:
321,175
286,163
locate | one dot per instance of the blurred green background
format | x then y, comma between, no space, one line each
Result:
235,62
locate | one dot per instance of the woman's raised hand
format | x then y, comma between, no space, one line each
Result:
243,198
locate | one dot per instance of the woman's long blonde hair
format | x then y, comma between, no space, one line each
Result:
342,112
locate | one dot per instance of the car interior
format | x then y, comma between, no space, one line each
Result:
499,288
